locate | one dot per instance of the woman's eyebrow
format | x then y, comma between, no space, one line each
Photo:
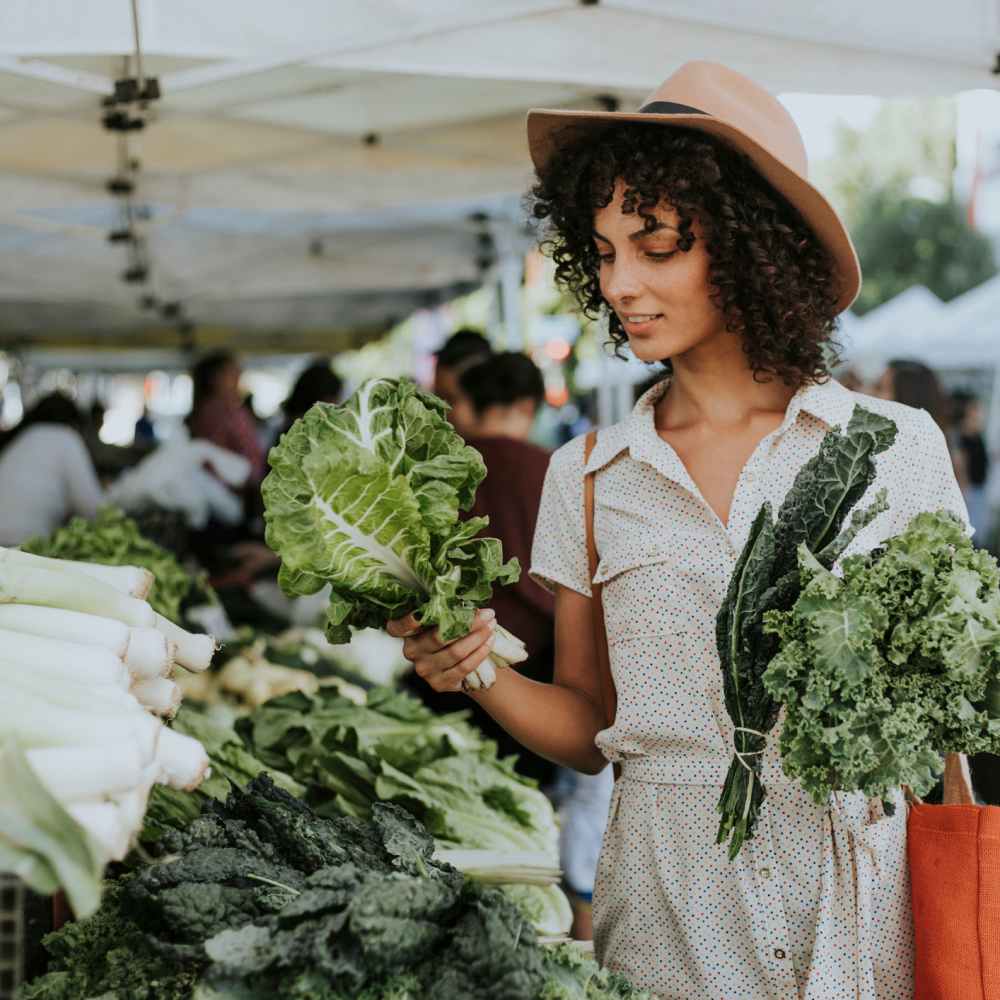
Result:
640,233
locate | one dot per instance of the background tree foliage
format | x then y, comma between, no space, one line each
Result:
904,241
892,183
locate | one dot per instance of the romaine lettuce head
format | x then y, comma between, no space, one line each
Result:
366,496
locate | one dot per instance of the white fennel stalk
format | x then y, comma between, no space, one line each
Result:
194,651
130,580
30,583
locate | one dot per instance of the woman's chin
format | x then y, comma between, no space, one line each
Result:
649,349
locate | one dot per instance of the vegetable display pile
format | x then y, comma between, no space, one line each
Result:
366,497
85,663
439,768
114,539
261,898
260,667
231,764
767,578
892,664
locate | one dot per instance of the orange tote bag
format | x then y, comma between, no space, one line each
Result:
954,853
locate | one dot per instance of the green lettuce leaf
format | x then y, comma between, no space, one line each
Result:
366,497
114,539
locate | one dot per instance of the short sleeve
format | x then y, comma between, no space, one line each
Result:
559,550
941,489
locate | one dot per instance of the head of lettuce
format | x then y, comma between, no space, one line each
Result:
366,497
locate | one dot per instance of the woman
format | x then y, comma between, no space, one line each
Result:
317,383
219,415
46,473
691,224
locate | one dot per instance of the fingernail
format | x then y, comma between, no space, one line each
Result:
488,613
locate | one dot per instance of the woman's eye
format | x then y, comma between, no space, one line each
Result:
661,256
605,258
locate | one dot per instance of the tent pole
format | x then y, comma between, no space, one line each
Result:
511,271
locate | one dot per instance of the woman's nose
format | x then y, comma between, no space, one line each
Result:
621,283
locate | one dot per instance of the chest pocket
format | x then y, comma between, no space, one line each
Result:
663,572
656,591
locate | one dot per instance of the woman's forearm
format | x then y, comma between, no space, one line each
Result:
552,720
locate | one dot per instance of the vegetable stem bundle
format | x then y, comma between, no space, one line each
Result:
84,662
366,497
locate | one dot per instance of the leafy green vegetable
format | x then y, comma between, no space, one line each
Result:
576,976
767,579
261,898
114,539
231,763
890,666
366,497
437,767
107,955
394,749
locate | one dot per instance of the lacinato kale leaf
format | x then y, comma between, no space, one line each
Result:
261,898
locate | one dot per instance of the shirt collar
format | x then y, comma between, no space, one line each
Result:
827,401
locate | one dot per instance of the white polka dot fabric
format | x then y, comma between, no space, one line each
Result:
816,907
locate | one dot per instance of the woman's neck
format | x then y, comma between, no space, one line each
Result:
720,397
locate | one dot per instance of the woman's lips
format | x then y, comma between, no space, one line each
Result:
637,326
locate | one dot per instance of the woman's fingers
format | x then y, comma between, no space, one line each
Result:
430,658
451,680
400,628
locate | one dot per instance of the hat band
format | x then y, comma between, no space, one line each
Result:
669,108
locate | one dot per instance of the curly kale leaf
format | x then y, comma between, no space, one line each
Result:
887,668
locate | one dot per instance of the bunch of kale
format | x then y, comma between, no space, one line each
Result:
260,898
767,579
890,665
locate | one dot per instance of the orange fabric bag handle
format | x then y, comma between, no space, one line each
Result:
609,696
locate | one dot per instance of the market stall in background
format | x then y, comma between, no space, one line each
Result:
217,780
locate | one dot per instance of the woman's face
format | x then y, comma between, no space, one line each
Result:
227,381
660,293
885,388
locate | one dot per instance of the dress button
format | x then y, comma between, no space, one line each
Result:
765,873
779,953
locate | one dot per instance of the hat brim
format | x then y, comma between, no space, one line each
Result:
550,130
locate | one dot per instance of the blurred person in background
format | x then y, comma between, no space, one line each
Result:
968,421
494,407
497,401
914,384
460,352
318,383
145,429
218,413
46,472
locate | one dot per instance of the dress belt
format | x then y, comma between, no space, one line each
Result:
707,770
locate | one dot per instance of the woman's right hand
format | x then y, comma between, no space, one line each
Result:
444,666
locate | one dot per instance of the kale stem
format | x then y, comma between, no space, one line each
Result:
271,881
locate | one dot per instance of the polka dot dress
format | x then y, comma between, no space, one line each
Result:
816,906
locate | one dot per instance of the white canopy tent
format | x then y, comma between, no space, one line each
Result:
323,167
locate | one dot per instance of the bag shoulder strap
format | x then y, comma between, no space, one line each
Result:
609,697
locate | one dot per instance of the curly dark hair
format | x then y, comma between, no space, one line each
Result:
770,276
